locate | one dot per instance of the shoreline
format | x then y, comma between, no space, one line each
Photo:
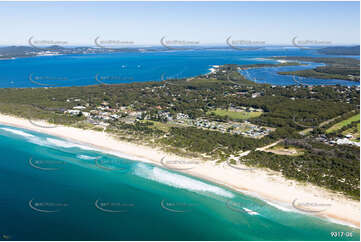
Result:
264,184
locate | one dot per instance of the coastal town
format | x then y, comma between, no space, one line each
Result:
102,115
233,119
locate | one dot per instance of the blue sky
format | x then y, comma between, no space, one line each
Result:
206,22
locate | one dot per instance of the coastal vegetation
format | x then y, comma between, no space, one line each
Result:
261,65
336,168
214,116
341,50
336,68
244,114
286,150
355,118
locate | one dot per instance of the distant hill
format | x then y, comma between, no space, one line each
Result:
15,49
28,51
341,50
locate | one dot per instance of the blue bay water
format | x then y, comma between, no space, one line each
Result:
54,189
93,69
269,75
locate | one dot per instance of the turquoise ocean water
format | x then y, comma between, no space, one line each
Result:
54,189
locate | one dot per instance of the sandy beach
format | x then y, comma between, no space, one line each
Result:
266,184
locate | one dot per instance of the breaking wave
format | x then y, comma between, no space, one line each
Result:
179,181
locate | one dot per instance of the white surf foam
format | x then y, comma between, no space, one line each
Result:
85,157
18,132
66,144
48,141
250,212
341,222
178,181
283,208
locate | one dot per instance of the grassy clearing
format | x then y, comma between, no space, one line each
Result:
344,123
235,115
161,126
355,132
282,150
202,81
